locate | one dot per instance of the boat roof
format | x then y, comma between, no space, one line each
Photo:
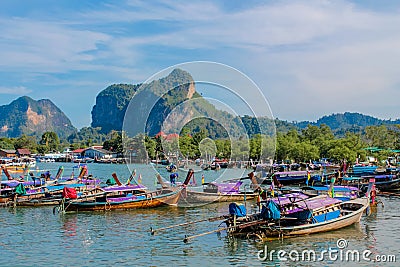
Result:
289,198
353,178
337,188
228,187
293,172
317,202
124,188
14,183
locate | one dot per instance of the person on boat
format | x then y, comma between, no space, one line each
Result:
262,196
173,178
338,177
373,194
343,167
202,179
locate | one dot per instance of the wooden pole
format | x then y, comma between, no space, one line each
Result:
239,226
153,231
187,238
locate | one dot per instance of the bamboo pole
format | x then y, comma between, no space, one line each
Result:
153,231
239,226
187,238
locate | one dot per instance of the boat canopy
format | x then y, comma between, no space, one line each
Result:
289,198
236,209
316,203
270,211
336,188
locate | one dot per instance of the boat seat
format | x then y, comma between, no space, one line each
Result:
347,211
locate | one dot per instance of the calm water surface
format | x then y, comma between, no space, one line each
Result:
36,237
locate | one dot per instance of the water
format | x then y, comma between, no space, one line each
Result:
36,237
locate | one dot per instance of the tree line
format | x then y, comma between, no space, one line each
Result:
311,143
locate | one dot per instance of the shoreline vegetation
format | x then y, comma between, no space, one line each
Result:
292,145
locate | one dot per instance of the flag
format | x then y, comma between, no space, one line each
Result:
332,189
132,177
272,189
140,179
193,180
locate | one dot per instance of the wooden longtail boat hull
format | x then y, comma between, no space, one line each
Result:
387,186
392,185
264,229
341,222
53,198
192,198
39,202
150,200
5,199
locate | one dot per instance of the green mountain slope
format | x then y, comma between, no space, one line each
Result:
150,105
27,116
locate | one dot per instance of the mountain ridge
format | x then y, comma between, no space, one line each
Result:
347,120
27,116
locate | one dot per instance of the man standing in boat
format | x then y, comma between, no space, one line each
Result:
173,176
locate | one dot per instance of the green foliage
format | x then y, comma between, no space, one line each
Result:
381,136
88,136
49,142
111,104
223,148
304,151
25,141
347,122
6,143
114,143
151,145
187,146
316,142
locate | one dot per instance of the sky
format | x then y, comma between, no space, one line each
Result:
309,58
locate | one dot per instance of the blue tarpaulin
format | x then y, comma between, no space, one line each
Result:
271,211
238,210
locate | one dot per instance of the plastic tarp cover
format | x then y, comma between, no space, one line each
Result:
111,181
238,210
69,193
20,189
271,211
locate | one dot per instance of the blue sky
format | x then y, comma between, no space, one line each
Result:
309,58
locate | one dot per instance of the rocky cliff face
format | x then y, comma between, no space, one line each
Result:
111,104
27,116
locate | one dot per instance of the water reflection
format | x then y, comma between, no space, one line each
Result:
69,225
36,237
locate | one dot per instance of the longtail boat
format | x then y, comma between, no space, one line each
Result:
215,192
292,215
313,215
289,177
43,190
384,182
360,169
340,192
110,201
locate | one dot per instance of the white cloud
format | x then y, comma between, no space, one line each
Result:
46,46
296,51
17,90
